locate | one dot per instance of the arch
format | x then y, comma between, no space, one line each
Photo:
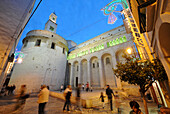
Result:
108,76
93,57
84,74
164,33
75,72
95,76
83,60
119,54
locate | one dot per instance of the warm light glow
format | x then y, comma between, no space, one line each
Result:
129,51
19,60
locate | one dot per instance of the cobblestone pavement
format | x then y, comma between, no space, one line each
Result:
55,106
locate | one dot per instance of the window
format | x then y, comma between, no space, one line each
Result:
53,18
77,68
107,60
53,45
25,43
38,42
97,64
64,50
51,28
93,65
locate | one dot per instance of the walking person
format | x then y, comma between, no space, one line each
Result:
78,100
109,94
22,96
67,95
83,87
102,99
87,86
43,97
91,88
61,88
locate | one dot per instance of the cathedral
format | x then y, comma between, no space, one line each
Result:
53,61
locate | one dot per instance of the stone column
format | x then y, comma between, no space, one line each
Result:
71,76
88,72
79,73
118,82
101,73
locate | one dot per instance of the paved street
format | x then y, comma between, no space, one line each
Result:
55,105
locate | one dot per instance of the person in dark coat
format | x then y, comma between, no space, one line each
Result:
67,94
109,94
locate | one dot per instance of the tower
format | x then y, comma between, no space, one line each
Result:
45,60
51,23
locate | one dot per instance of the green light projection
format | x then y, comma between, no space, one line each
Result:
116,41
99,47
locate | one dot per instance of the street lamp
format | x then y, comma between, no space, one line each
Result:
19,60
129,50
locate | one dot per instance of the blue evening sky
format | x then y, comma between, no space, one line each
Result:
78,20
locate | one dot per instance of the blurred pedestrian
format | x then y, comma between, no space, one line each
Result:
13,88
102,99
67,95
135,108
21,98
83,87
61,88
87,86
91,88
78,99
109,94
117,101
43,97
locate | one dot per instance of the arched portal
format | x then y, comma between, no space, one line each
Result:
75,73
95,76
109,77
83,78
119,57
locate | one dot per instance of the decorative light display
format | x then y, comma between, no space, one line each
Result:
111,7
18,56
98,48
117,41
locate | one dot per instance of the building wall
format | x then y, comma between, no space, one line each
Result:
41,64
159,35
13,17
93,66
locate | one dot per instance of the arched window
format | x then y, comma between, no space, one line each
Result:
77,68
97,64
93,65
107,60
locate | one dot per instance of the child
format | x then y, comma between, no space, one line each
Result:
117,102
102,98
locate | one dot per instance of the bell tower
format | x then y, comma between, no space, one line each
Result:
51,23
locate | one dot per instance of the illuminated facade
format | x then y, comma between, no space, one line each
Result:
93,60
44,61
153,20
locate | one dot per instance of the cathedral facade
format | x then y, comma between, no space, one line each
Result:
46,58
93,60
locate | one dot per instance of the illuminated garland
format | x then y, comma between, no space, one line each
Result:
99,47
111,7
